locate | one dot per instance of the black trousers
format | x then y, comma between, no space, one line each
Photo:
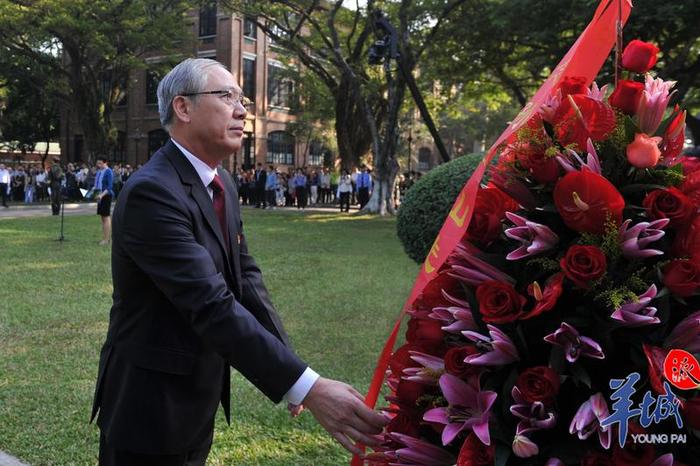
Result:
345,201
56,199
301,197
111,457
3,193
363,196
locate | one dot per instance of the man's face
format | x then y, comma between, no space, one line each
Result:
217,124
100,164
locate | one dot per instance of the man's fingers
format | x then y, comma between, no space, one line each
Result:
372,418
346,443
356,394
365,439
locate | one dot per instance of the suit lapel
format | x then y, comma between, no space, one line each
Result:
233,219
189,176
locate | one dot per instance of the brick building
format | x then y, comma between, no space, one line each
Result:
252,58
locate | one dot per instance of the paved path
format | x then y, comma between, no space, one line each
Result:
85,208
7,460
44,210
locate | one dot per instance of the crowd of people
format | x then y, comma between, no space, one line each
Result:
266,187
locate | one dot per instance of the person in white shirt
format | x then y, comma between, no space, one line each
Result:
4,184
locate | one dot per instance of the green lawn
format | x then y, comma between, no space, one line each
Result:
338,281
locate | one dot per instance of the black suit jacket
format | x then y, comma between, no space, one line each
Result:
260,179
184,310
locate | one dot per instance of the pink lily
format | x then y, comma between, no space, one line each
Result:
597,94
635,239
686,335
655,97
412,451
498,350
533,416
468,408
592,162
473,271
523,447
663,460
636,313
535,238
588,418
574,344
550,106
429,374
456,319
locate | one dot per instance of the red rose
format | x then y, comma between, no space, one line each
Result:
682,277
539,383
627,96
408,392
455,365
670,203
586,201
687,242
580,117
634,454
499,303
691,412
489,211
573,85
424,332
690,164
475,453
404,424
534,159
583,264
432,295
401,359
639,56
596,458
691,186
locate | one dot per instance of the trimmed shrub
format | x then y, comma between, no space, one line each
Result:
427,203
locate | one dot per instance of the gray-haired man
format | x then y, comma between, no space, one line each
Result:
189,300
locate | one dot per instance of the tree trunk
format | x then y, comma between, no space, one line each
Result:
352,133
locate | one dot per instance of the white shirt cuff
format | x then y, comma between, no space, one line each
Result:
301,387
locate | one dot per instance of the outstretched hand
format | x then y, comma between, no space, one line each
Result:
341,410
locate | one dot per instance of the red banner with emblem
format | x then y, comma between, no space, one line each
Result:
585,58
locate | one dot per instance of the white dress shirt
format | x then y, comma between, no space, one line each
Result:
5,176
303,385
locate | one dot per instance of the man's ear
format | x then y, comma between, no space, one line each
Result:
182,107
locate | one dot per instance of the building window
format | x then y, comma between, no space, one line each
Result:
316,153
248,151
152,80
207,19
156,139
280,148
280,88
249,78
250,28
424,157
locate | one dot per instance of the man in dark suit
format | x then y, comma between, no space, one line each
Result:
260,182
189,300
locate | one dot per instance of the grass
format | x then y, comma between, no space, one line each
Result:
338,282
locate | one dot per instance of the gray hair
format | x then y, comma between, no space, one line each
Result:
188,76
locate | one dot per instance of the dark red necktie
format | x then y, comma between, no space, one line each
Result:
220,206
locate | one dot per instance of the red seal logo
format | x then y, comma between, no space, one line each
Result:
682,369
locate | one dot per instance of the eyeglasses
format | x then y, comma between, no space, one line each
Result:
228,96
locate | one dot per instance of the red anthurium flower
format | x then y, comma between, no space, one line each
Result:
639,56
627,96
475,453
691,186
586,201
546,299
580,117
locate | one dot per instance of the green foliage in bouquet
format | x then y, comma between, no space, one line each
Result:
427,203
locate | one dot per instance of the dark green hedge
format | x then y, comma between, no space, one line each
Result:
428,202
